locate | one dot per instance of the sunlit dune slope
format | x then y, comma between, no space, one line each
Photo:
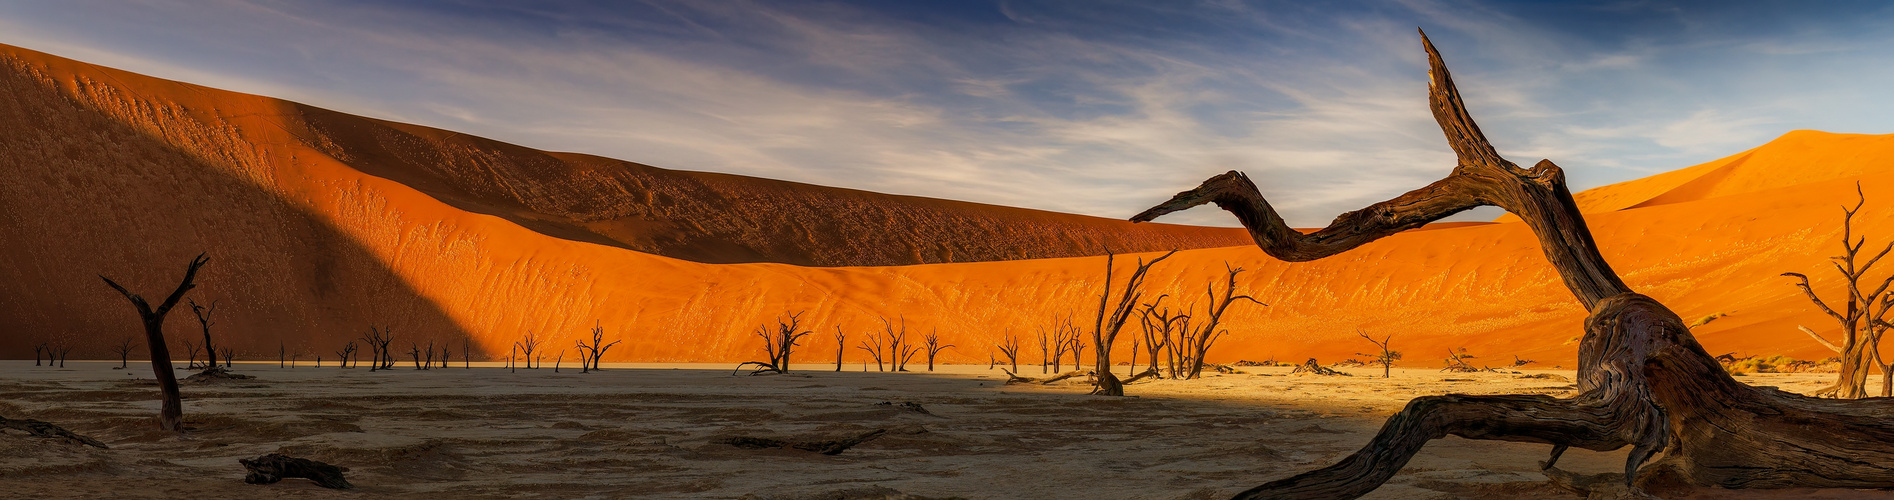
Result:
320,224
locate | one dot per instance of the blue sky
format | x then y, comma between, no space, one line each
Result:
1096,107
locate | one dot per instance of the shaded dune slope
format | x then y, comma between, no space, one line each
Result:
717,218
321,224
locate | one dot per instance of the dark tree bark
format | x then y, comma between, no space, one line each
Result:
1111,320
271,468
1644,381
203,319
841,346
934,347
171,413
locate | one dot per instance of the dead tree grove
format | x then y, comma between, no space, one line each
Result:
1862,316
1643,380
1111,319
171,413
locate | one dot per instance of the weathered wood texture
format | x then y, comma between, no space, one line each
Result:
1643,382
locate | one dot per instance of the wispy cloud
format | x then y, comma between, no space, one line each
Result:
1091,107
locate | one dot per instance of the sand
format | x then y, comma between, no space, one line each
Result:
654,431
320,225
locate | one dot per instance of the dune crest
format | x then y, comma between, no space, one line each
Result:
319,224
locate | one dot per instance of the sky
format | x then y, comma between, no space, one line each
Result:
1099,107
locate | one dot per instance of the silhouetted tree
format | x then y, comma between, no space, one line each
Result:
1111,319
1861,317
932,343
124,350
171,412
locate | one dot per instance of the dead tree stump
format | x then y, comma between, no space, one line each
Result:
273,467
1644,382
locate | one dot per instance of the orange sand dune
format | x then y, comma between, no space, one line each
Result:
321,224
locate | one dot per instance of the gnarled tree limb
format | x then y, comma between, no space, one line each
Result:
1644,381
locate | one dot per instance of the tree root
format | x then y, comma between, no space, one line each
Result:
274,467
825,447
48,430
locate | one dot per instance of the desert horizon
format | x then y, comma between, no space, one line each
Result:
855,251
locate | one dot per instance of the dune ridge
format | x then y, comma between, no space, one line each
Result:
320,224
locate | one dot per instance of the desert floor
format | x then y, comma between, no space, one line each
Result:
640,430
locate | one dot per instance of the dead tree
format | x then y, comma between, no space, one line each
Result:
1644,381
190,351
1075,343
1457,361
558,361
1157,326
378,340
900,351
1207,333
171,413
203,319
1111,319
37,350
414,350
1047,356
1009,345
841,346
1861,317
873,346
933,346
526,345
58,351
590,353
778,344
124,350
346,351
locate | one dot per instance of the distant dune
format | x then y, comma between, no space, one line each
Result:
319,224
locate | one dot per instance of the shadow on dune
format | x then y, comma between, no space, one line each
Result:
85,190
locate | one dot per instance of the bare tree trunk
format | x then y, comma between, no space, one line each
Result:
1644,381
171,413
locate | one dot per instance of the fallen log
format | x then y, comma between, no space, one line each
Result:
48,430
825,447
273,467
